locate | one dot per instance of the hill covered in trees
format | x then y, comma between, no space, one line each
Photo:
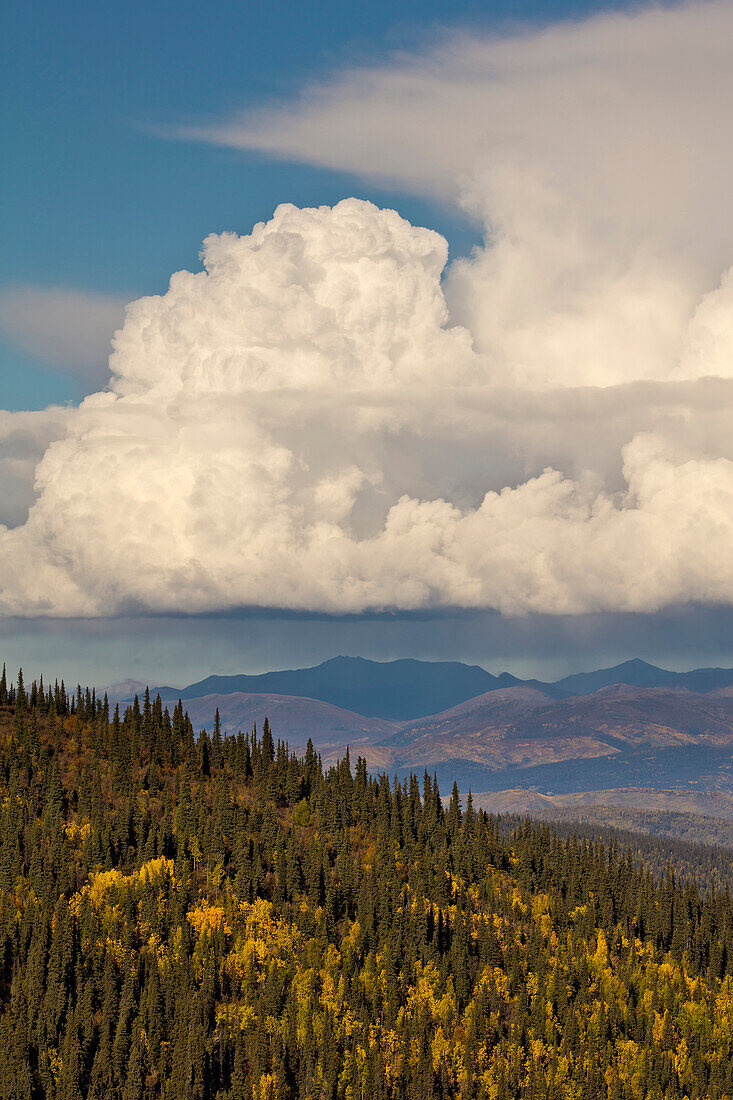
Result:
676,814
221,918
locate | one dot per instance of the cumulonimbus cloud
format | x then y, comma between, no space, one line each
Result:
281,425
324,419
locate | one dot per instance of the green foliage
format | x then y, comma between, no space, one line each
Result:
220,918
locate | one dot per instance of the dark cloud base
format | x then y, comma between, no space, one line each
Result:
178,650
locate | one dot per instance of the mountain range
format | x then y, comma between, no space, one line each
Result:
378,689
407,689
630,725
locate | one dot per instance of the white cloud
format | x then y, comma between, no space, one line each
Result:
316,421
282,431
68,329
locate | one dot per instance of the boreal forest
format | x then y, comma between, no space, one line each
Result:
216,916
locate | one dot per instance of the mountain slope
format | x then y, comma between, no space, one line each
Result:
617,737
292,718
637,673
490,711
635,716
391,689
616,717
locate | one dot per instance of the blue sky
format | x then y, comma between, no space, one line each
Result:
94,198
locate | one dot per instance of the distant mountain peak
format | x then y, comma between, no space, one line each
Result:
638,663
407,689
635,672
401,689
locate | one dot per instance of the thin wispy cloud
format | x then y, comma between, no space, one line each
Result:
69,329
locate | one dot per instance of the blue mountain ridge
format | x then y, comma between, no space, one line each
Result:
407,689
376,689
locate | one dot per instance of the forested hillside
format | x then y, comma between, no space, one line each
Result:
219,918
711,866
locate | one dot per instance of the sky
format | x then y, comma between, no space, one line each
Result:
450,376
